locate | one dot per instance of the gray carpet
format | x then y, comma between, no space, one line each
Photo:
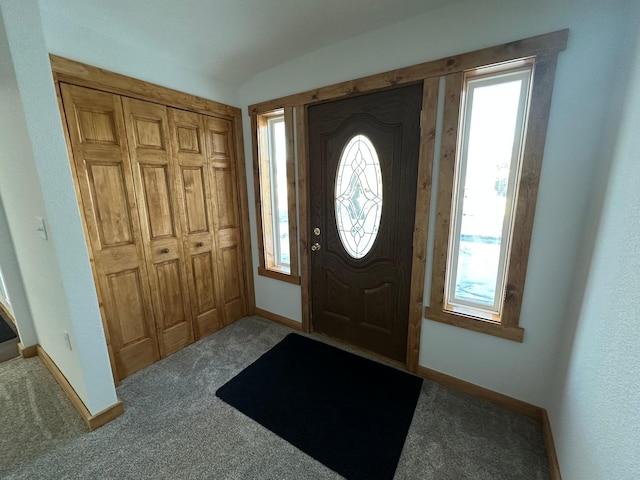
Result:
174,427
35,414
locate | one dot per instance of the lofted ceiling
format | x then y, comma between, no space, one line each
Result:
232,40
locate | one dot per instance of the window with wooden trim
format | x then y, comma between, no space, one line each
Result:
494,125
274,175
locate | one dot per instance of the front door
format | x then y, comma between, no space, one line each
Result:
363,156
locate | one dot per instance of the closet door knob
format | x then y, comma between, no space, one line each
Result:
164,250
199,244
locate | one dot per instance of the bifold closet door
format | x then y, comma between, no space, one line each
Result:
195,200
226,218
155,177
99,145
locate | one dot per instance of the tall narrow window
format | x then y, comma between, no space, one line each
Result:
492,126
275,196
278,187
494,122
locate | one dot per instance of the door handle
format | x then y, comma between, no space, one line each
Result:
315,247
200,244
164,250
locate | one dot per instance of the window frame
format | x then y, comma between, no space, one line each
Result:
264,194
502,74
507,326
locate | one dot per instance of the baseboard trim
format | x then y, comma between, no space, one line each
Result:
92,421
274,317
496,398
554,464
27,352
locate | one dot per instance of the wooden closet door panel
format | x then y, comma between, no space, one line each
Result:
155,174
103,170
195,200
222,169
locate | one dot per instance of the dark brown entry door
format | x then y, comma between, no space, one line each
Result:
363,155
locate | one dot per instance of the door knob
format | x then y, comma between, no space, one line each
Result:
200,244
315,247
316,231
164,250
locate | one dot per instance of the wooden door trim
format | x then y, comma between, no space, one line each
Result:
83,75
547,44
421,222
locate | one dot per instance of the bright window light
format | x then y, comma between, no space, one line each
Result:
278,178
494,109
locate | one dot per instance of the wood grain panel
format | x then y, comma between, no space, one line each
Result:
170,289
228,231
155,186
156,175
103,172
188,139
226,198
148,133
110,204
195,199
96,126
232,289
126,296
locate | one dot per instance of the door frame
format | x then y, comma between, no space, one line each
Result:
428,117
545,46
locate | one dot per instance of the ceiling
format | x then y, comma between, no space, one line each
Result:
232,40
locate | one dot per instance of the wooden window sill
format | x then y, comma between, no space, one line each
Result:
515,334
284,277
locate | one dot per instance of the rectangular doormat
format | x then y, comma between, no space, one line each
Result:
349,413
6,332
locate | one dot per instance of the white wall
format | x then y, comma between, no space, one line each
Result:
66,36
596,404
587,72
9,262
36,181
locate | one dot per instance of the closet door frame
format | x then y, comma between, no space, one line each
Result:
83,75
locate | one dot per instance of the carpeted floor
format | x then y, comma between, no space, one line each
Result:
35,414
174,427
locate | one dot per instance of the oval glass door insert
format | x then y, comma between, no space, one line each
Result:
358,195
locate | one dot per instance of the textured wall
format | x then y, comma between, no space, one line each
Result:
595,412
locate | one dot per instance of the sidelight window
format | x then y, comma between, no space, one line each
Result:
492,127
275,196
492,137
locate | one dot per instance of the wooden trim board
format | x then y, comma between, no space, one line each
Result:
27,352
554,464
92,421
274,317
496,398
77,73
549,43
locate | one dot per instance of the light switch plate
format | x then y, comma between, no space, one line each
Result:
40,228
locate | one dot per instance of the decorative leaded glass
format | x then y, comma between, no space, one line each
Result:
358,196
